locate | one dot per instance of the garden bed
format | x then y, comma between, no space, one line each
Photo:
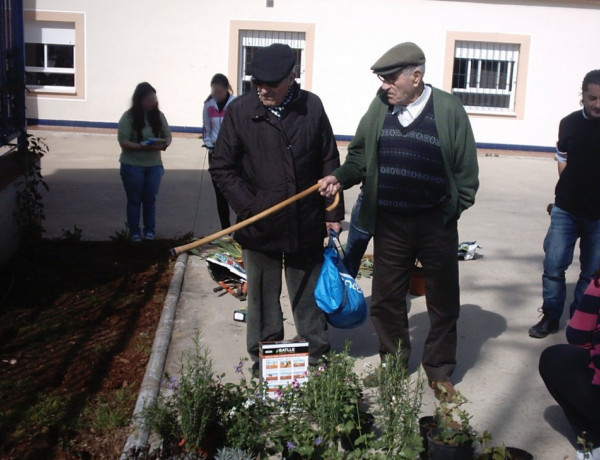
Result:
77,321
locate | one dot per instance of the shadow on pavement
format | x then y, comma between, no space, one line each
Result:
94,200
475,327
555,417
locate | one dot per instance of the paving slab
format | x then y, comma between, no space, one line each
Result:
500,290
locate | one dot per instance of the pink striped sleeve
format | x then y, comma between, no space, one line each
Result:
584,321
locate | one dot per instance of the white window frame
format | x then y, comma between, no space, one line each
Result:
494,51
262,38
47,33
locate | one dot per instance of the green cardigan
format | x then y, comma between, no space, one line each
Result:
458,151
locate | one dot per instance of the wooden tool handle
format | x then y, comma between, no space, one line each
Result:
207,239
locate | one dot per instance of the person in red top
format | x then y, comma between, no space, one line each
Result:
571,371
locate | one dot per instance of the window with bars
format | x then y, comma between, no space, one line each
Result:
253,40
484,75
50,55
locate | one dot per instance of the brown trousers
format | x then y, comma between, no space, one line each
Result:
399,239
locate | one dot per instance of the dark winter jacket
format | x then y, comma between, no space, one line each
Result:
260,160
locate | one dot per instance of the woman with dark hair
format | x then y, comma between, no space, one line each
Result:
143,133
571,371
214,111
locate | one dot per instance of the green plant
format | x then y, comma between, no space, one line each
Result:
197,395
184,238
453,422
72,236
121,236
492,452
225,244
585,446
229,453
45,413
247,412
192,407
302,421
332,393
110,412
400,400
143,343
29,214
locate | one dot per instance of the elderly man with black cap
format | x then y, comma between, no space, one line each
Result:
275,142
415,152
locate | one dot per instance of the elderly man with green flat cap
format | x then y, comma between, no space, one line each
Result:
415,153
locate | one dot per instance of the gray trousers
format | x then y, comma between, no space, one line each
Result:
265,318
399,239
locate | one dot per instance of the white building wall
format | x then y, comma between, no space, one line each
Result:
178,45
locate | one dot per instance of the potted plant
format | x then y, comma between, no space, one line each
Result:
426,424
416,283
501,452
453,438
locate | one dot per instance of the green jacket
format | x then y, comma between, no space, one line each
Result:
458,151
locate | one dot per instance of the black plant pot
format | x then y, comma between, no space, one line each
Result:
439,451
366,424
426,424
515,454
518,454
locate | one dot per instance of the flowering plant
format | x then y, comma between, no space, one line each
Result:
187,414
321,418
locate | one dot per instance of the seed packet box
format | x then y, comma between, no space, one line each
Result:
282,363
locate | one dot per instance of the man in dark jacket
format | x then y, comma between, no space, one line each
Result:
274,143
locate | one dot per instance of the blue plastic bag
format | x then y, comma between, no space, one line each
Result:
337,293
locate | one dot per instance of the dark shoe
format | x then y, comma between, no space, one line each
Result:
443,390
546,326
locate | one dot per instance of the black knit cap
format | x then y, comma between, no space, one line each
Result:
273,63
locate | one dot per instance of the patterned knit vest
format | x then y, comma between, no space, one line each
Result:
411,169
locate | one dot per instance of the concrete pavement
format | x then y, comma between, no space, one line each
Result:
501,289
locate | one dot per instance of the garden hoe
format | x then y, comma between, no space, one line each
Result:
194,244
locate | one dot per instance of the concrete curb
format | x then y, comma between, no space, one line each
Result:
154,370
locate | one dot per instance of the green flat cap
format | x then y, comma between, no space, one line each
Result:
399,56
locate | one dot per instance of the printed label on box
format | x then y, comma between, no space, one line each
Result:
282,363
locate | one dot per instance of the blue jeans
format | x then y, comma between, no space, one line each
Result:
559,245
358,240
141,186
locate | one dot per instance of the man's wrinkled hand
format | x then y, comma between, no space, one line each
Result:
329,186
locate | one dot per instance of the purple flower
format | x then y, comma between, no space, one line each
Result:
239,367
296,385
290,446
278,394
171,383
318,441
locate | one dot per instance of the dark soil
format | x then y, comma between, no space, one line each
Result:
77,321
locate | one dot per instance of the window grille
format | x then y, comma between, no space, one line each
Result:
252,40
484,76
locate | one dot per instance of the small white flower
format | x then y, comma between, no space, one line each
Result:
248,404
232,412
